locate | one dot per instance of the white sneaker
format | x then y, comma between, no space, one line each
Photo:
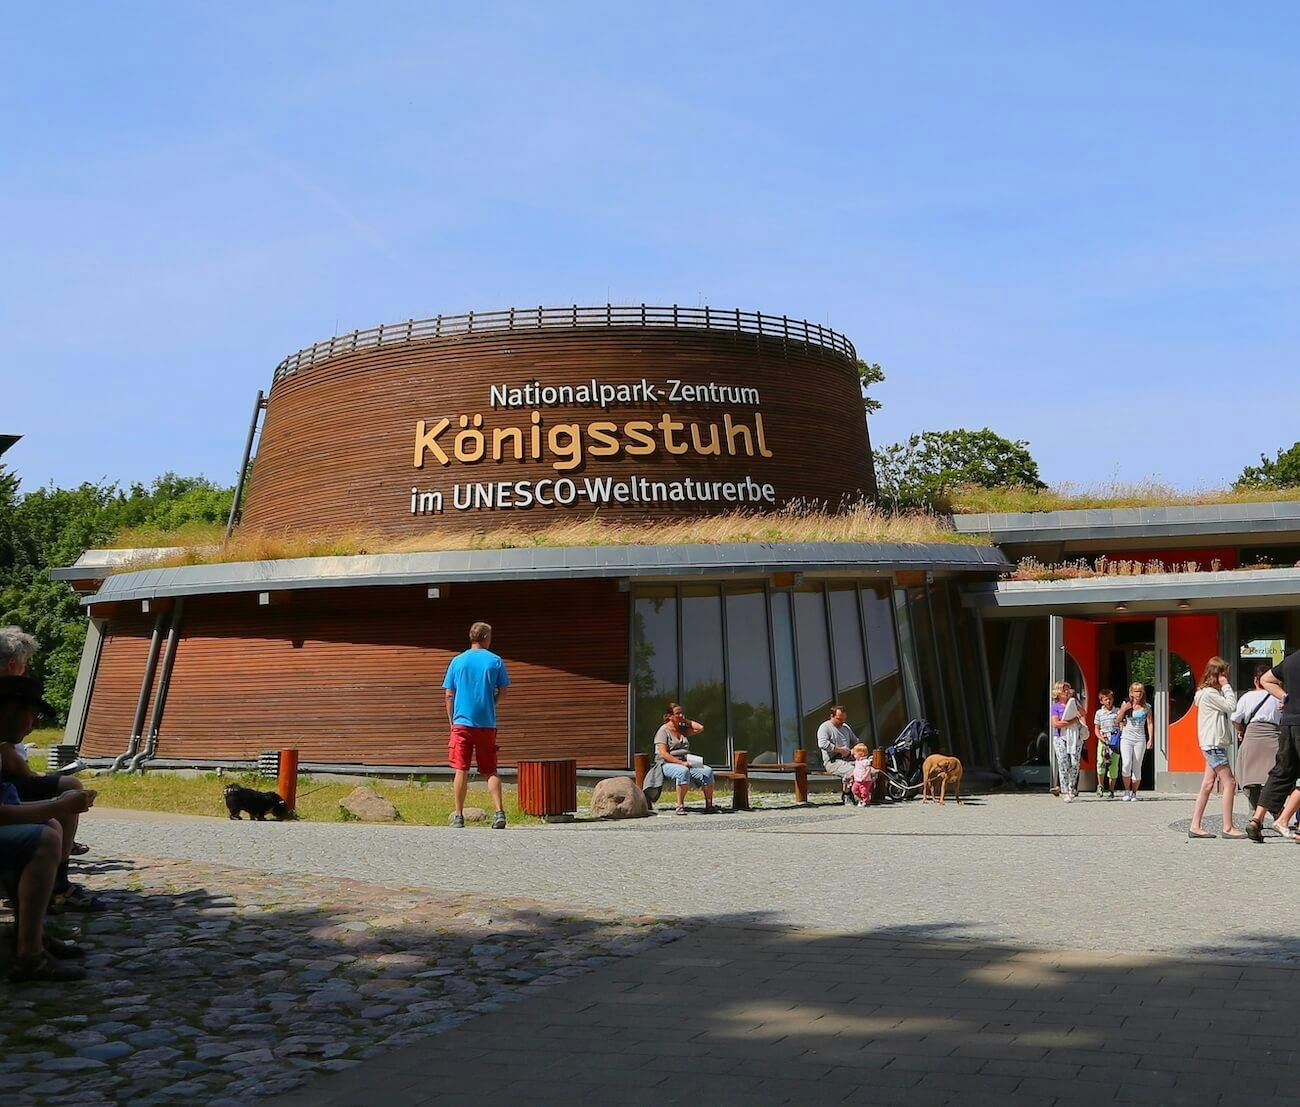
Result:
1134,797
1069,798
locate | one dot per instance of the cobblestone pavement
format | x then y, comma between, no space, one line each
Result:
1012,869
214,984
758,1016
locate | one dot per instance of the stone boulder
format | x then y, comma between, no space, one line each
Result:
475,815
618,798
367,805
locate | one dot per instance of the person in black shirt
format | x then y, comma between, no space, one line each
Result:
1280,797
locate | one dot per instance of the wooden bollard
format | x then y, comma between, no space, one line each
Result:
878,787
640,766
801,776
740,780
288,782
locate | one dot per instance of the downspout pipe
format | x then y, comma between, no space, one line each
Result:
146,682
258,406
160,698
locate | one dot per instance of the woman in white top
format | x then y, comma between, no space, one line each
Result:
1137,735
1215,702
1258,721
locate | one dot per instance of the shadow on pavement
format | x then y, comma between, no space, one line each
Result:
738,1013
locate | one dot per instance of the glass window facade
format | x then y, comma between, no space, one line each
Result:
703,691
851,689
882,654
760,666
749,674
654,661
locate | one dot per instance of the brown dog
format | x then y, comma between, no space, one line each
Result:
942,769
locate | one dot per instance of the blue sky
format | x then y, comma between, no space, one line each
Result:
1020,210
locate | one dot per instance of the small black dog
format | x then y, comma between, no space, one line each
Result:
257,804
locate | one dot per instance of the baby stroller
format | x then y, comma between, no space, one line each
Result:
903,760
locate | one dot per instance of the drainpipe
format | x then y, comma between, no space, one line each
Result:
151,663
160,699
258,407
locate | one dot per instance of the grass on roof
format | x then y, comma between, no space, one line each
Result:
860,524
1069,497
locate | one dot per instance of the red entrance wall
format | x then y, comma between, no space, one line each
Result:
1195,638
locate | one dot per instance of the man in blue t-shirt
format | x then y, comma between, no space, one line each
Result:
475,681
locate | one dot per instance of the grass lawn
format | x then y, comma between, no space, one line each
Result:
318,801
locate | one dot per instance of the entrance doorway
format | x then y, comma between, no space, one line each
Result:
1132,659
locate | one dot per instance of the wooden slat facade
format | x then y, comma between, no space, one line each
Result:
354,675
337,442
117,683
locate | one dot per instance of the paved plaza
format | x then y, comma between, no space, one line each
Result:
1020,869
1014,946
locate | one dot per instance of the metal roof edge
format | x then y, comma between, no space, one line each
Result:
1132,522
543,563
1151,587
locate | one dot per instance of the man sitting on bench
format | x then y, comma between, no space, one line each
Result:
835,739
31,847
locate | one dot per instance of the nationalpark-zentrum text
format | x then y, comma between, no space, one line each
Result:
595,393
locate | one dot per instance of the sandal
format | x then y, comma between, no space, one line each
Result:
44,968
79,849
680,810
1201,834
1255,831
61,950
76,898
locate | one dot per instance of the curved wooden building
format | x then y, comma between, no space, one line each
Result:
531,418
522,419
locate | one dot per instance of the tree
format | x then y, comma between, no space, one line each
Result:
869,374
919,473
51,527
1282,471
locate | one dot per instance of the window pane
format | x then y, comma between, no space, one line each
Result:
814,664
907,642
702,691
654,662
786,694
749,675
931,698
850,662
959,740
882,649
972,675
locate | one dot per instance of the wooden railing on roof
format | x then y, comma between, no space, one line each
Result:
539,318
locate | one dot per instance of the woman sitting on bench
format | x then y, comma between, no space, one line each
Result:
673,757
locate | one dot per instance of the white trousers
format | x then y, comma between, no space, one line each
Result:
1131,753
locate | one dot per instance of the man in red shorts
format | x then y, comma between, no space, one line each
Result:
475,681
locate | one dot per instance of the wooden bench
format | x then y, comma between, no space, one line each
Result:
739,775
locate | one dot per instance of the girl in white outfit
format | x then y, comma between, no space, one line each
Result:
1137,735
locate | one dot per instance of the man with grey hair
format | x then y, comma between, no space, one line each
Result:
17,648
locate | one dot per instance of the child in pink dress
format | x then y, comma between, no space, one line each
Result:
864,776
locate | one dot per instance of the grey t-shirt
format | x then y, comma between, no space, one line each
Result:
678,743
829,736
